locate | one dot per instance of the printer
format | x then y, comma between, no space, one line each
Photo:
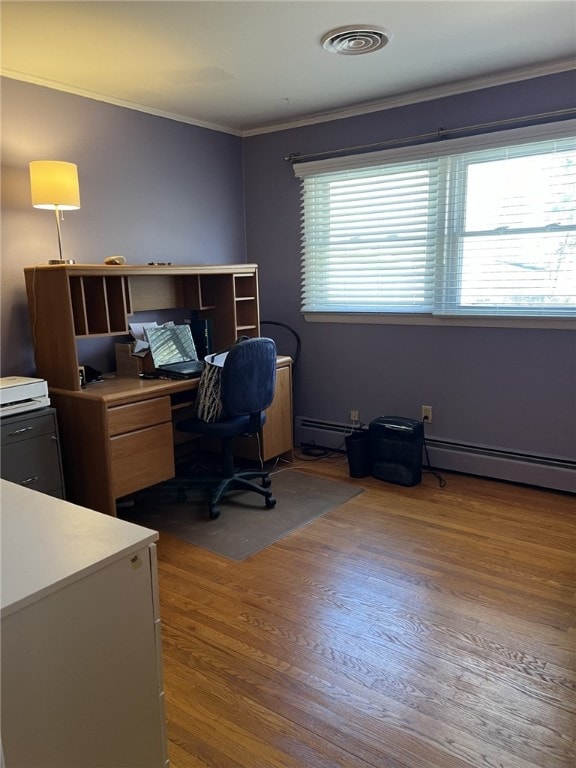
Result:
19,394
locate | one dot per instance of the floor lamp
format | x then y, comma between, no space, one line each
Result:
54,187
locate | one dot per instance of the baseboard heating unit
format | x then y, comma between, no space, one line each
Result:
532,469
322,434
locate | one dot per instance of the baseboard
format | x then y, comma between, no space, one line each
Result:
321,434
531,469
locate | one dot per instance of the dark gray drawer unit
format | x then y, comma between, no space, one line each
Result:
31,451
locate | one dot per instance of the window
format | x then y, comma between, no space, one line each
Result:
481,226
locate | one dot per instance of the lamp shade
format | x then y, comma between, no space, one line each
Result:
54,185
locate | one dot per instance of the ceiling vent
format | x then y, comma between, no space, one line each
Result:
355,40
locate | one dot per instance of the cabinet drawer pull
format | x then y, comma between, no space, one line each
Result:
20,431
29,480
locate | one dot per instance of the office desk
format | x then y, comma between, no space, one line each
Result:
118,435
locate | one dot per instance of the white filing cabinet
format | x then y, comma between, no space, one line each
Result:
81,652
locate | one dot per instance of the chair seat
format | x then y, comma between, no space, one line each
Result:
231,427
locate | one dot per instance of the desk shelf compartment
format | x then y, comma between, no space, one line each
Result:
99,305
246,305
159,292
172,292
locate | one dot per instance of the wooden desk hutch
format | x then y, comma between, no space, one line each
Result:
118,435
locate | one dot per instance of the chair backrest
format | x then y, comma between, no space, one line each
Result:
249,377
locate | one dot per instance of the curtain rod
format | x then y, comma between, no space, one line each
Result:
440,134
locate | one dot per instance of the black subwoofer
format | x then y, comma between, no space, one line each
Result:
396,449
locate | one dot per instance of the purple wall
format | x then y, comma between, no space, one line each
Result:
155,189
512,389
151,189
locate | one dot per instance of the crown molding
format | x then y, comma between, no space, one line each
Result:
425,94
400,100
54,85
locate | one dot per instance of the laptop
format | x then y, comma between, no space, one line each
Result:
174,352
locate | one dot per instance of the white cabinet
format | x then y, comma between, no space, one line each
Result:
81,653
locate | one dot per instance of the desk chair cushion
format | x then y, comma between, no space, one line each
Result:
237,425
249,377
248,381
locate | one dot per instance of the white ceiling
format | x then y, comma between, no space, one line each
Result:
247,67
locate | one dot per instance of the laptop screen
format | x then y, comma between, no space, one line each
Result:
171,344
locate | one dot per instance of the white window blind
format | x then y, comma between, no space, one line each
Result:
477,226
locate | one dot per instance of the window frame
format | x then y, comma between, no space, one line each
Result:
444,150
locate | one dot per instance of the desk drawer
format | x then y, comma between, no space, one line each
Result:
27,426
141,458
34,464
145,413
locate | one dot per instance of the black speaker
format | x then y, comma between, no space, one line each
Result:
202,335
396,449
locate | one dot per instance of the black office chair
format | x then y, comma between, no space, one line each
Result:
248,380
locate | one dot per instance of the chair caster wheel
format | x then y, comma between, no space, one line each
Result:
181,496
266,482
213,512
270,502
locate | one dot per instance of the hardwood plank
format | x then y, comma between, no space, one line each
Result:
419,627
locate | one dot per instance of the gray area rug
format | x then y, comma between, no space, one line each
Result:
245,526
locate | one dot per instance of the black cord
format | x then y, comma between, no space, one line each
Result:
315,452
428,467
293,332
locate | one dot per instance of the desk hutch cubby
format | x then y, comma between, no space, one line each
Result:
118,435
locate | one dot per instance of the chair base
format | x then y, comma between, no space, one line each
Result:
229,479
242,481
239,481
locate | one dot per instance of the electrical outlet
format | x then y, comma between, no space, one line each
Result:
427,413
354,415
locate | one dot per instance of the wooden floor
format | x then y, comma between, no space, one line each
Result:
419,627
